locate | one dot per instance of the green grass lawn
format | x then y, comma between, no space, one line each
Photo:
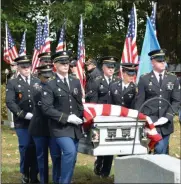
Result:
84,166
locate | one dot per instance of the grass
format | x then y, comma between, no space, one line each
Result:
84,167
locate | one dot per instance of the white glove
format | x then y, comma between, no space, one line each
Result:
29,115
161,121
74,119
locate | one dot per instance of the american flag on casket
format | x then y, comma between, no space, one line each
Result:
92,110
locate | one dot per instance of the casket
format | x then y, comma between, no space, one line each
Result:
110,135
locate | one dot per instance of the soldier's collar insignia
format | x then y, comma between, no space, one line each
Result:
116,92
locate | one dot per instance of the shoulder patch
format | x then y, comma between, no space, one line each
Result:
98,78
51,78
144,74
170,73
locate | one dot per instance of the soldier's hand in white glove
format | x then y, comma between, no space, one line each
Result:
161,121
28,116
74,119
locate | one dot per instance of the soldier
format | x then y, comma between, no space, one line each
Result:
62,103
100,93
92,73
73,67
12,74
159,83
123,92
45,58
39,130
19,99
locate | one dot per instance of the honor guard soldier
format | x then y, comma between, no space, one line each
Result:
92,73
39,130
159,83
62,103
100,93
123,92
19,99
45,58
73,67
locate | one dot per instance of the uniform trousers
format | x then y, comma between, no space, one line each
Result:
69,147
42,143
27,150
162,146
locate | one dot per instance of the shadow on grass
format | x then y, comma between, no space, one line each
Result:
82,175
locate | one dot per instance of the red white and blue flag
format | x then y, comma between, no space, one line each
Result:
61,42
10,50
81,57
35,59
22,51
130,52
45,42
153,17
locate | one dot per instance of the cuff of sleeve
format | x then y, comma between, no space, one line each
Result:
169,116
63,118
21,114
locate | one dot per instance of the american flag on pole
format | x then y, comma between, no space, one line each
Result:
61,42
22,51
130,52
10,50
35,60
81,57
45,44
153,17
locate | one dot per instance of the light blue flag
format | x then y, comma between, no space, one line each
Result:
150,43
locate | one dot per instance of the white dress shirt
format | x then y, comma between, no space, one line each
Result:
24,78
107,78
157,75
124,85
62,78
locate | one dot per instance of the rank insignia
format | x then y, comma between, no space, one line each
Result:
101,86
75,91
170,86
116,92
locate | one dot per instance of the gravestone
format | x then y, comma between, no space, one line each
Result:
147,169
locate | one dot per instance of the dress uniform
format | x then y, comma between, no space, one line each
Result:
19,99
123,92
73,67
62,103
100,93
92,74
159,84
39,130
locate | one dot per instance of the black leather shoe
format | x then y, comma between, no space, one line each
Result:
97,168
24,179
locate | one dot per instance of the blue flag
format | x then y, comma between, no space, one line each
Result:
150,43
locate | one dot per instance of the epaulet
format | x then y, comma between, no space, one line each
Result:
51,78
73,76
170,73
98,78
144,74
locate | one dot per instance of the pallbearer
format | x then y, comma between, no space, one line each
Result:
39,129
19,99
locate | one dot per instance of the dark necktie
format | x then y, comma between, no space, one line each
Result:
160,79
124,88
109,79
26,78
65,82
